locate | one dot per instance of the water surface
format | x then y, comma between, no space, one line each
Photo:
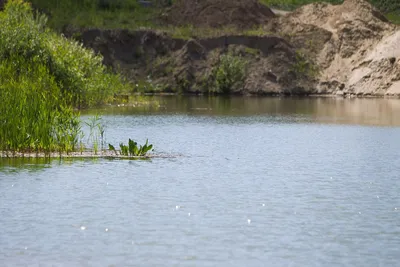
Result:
253,182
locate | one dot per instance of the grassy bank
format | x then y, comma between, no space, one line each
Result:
390,8
128,14
384,6
98,13
44,78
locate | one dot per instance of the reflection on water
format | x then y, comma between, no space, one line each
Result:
13,165
373,111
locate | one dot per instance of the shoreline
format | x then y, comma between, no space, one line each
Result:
311,95
77,155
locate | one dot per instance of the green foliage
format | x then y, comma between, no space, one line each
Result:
124,149
191,31
112,148
230,73
394,16
303,66
147,86
382,5
96,132
132,149
97,13
33,118
252,51
43,76
78,72
292,4
387,5
390,7
129,14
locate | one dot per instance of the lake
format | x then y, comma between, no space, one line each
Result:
247,182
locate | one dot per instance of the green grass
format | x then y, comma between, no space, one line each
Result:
383,5
394,17
391,8
126,14
189,31
293,4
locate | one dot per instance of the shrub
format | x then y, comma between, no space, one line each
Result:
304,67
230,73
43,77
76,70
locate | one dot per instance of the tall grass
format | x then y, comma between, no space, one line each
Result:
43,77
33,116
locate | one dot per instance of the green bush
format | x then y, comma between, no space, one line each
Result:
230,73
43,77
76,70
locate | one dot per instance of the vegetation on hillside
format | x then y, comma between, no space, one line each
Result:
108,14
230,74
384,6
391,8
44,77
112,14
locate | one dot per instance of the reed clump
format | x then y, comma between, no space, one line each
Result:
44,79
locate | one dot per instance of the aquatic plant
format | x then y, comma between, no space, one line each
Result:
112,148
132,149
96,132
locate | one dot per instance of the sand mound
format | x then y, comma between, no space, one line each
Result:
353,44
219,13
332,16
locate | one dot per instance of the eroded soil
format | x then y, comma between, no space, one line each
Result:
348,49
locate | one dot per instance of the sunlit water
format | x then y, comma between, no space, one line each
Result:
252,182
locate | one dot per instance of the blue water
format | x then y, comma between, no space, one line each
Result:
260,189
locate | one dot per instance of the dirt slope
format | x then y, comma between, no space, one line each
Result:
348,49
360,49
219,13
187,65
